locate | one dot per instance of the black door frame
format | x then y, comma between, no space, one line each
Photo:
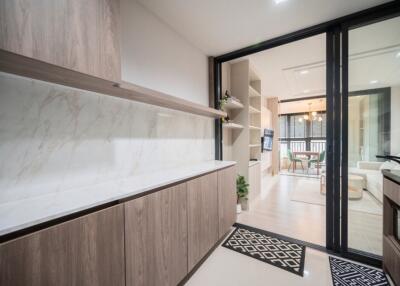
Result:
337,101
378,16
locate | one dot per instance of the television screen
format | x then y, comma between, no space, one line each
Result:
267,140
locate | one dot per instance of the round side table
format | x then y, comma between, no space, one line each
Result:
355,190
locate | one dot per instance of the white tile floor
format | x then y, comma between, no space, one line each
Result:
227,267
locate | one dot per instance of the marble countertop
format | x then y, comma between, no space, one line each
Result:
25,213
394,175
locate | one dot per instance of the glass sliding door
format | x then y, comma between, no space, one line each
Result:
371,127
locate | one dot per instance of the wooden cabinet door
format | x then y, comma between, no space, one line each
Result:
226,199
75,34
83,252
156,238
202,216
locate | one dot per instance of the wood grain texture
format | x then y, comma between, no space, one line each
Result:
226,199
156,238
79,35
36,69
391,258
83,252
391,248
202,197
391,190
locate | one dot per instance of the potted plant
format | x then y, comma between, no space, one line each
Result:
242,190
224,100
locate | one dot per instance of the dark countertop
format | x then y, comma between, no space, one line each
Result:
393,175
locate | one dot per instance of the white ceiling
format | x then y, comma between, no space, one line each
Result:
372,49
221,26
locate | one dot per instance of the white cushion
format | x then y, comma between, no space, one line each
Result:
390,165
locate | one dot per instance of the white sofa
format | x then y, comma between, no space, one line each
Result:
372,174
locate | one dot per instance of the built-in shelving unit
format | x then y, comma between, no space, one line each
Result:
253,92
36,69
231,125
253,109
245,85
244,146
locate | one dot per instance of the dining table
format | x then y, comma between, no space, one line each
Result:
308,154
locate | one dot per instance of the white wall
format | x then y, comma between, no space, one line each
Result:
155,56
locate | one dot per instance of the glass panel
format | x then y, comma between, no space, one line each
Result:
373,127
318,125
282,126
299,126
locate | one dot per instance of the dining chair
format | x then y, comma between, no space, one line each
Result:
293,160
317,161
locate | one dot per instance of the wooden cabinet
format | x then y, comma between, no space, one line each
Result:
152,240
85,251
391,244
226,199
78,35
202,203
156,238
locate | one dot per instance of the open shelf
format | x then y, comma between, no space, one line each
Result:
254,145
36,69
233,104
253,110
254,128
252,163
232,125
253,92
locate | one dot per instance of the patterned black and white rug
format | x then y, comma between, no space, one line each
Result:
345,273
266,247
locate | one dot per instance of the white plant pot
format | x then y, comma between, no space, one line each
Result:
238,208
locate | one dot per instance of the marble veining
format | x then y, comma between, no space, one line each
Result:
27,212
55,138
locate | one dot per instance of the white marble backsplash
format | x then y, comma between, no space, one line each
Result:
55,138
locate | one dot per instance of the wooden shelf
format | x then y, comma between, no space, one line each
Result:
252,163
254,128
254,145
253,92
253,110
233,104
36,69
232,125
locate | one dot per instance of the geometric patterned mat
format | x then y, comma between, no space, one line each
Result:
345,273
266,247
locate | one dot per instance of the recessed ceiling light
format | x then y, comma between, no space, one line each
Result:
398,55
304,72
306,91
373,81
279,1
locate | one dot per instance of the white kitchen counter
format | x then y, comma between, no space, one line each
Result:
21,214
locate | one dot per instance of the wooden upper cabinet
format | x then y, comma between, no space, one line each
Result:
82,252
78,35
156,238
202,216
226,199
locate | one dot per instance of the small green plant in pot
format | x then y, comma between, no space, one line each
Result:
242,191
